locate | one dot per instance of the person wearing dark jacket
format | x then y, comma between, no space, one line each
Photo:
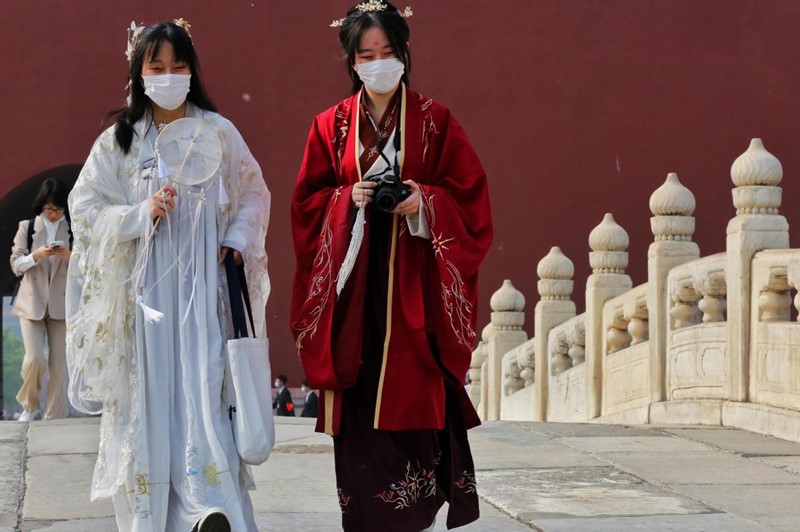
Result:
311,403
283,402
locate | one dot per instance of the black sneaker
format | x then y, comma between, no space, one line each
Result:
214,520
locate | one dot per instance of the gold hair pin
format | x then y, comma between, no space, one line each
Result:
373,5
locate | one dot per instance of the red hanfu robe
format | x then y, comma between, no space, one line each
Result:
431,301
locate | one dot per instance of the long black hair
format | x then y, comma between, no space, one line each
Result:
53,191
148,43
390,21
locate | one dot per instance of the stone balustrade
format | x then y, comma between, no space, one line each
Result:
567,388
711,340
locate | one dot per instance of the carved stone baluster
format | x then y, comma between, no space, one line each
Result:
684,310
527,361
639,330
512,382
711,285
637,314
713,308
559,358
577,343
797,305
617,335
775,305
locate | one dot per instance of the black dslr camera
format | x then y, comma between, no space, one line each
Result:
389,192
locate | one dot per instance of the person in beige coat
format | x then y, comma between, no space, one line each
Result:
39,303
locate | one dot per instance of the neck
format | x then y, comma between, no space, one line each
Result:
377,103
163,115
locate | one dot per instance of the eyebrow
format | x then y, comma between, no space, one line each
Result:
362,51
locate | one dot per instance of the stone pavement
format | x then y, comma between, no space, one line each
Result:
532,476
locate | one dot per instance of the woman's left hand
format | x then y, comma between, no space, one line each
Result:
410,205
237,257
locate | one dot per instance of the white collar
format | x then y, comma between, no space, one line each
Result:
51,225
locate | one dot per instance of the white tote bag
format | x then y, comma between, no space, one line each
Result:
248,377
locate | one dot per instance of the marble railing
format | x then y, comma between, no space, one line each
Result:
712,340
775,347
697,353
626,352
567,355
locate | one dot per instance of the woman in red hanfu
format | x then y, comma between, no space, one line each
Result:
391,220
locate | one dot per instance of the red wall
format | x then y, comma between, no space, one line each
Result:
576,107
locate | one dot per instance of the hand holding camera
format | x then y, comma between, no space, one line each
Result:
363,192
388,194
410,205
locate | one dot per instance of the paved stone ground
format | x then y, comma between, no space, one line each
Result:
532,476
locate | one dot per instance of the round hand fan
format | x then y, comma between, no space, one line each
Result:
189,151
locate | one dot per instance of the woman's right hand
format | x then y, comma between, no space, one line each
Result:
162,202
362,192
44,252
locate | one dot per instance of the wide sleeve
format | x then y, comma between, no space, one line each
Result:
98,299
247,229
458,213
315,187
322,219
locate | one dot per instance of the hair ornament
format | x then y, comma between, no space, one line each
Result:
136,29
133,36
184,24
373,5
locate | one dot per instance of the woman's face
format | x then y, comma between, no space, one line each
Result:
164,62
373,45
52,212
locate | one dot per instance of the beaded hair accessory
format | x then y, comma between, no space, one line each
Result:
373,5
135,30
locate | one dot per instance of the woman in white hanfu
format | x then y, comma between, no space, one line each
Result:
167,456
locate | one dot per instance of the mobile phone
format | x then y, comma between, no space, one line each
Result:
55,244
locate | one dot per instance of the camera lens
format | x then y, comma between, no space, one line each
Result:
385,201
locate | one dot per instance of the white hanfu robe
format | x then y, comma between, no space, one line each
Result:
166,451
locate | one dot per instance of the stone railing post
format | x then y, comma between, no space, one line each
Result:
756,226
506,334
555,286
672,225
478,358
608,259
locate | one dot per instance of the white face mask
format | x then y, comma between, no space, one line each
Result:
167,91
382,75
277,384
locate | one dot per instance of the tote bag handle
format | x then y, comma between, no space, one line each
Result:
237,289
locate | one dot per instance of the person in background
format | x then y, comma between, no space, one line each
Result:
312,401
283,404
40,255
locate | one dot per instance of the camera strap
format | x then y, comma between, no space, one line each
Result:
397,137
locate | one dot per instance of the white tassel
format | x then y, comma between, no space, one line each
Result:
352,250
151,315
